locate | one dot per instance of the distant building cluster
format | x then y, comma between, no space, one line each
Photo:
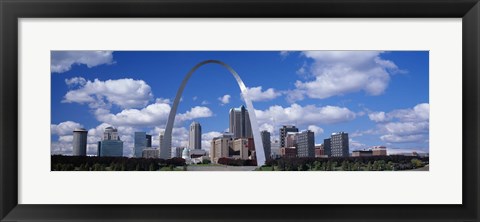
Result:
237,143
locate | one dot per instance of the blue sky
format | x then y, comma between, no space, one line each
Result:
379,98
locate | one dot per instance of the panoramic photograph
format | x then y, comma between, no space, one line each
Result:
239,110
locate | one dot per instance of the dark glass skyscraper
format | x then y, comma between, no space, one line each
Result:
240,125
142,141
267,145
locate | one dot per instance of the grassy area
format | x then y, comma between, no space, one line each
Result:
168,168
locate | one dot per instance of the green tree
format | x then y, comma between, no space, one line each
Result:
356,166
345,165
416,163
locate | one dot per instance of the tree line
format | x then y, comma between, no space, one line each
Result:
374,163
86,163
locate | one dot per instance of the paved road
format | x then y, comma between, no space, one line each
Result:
220,168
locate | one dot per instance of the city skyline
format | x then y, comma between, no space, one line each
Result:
132,91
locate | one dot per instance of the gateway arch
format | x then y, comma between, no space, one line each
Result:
167,138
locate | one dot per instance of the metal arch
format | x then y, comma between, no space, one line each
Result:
167,139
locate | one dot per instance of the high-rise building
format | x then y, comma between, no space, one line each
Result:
240,125
149,140
160,141
339,144
111,145
79,142
305,141
220,147
283,133
195,136
267,144
327,147
141,142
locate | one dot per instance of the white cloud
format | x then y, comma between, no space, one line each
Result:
266,126
62,61
194,113
153,115
225,99
304,115
420,112
342,72
126,93
163,100
65,139
403,125
207,139
284,54
377,116
317,130
205,102
256,94
64,128
355,145
76,81
195,98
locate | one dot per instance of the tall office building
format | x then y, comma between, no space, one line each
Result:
305,141
339,144
79,142
327,148
195,136
240,125
111,145
149,140
142,141
267,144
283,133
160,141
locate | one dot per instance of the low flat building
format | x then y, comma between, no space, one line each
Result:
150,153
361,153
288,152
319,151
379,151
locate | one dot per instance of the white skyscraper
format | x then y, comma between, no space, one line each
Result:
195,136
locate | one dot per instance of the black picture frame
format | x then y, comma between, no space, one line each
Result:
11,11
